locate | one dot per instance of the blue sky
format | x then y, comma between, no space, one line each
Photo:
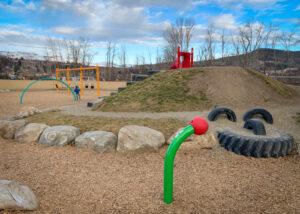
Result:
25,25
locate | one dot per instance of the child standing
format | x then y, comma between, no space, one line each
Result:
77,92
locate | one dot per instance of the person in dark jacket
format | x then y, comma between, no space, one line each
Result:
77,92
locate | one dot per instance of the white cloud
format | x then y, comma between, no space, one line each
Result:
103,21
64,30
254,4
224,21
18,6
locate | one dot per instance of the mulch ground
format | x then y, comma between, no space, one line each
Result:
69,180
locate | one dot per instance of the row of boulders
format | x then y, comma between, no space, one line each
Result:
130,137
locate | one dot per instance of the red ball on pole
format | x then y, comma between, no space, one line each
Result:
200,125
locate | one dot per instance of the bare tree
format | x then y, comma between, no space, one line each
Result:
122,56
159,59
150,58
110,57
137,60
189,26
110,54
67,48
210,43
287,39
74,51
178,34
223,43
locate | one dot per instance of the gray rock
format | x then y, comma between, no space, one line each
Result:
59,135
16,196
134,137
206,141
100,141
9,128
30,133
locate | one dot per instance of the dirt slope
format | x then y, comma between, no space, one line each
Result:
199,89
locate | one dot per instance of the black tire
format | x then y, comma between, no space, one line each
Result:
254,146
265,114
256,126
213,115
89,104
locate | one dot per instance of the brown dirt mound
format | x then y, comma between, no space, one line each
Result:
235,86
199,89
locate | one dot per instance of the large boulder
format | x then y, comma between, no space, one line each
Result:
30,133
16,196
100,141
27,111
134,137
59,135
9,128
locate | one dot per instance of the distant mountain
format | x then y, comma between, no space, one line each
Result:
282,65
21,54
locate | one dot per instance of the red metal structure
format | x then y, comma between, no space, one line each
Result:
184,59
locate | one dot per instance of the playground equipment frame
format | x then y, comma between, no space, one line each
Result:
46,79
81,69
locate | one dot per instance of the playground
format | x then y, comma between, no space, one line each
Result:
207,178
44,95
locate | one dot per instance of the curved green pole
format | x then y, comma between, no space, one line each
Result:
169,161
45,79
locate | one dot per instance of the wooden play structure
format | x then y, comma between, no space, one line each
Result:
83,77
183,59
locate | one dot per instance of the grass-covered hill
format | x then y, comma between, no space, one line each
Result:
198,89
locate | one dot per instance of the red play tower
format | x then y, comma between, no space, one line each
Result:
184,59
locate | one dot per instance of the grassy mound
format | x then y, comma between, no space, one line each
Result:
198,89
165,91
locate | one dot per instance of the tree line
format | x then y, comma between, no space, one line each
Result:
241,42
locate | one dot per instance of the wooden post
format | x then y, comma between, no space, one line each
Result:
98,80
81,81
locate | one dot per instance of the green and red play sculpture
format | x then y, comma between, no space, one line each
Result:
197,126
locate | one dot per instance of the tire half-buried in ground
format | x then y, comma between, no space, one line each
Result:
265,114
216,112
256,146
256,126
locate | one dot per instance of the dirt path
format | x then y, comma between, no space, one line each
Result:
68,180
82,110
